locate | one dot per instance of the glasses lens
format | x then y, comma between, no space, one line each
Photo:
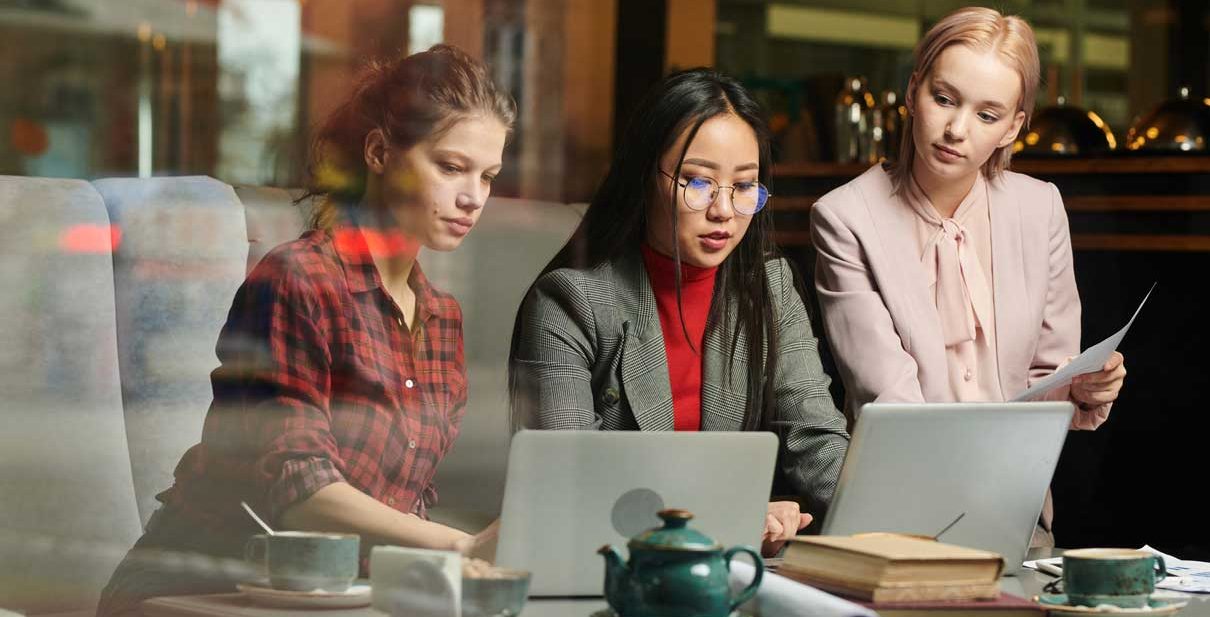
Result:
699,192
750,197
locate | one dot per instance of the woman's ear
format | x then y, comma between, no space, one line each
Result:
1013,131
909,97
375,151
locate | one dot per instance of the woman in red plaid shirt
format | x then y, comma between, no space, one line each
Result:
342,381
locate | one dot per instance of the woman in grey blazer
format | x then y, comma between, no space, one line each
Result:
592,343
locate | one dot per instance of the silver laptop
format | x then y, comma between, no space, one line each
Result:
917,468
567,493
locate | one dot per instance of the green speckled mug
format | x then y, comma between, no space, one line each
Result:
1117,576
305,561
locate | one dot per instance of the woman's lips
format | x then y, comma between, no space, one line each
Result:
459,226
714,241
946,153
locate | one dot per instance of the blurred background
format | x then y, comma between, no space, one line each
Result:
231,88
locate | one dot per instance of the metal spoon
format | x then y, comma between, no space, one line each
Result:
248,509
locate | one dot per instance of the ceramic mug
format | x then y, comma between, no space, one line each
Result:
1115,576
415,582
305,560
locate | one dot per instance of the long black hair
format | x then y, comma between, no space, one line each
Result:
616,223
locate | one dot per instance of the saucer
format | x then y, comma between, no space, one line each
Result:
261,593
1056,604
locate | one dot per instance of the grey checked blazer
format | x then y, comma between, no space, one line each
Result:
591,356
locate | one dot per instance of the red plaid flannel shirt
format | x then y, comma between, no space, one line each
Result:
321,382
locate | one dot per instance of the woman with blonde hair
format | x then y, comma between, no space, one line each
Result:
946,277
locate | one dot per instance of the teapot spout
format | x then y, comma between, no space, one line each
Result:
615,575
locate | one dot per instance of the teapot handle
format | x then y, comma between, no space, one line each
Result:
759,573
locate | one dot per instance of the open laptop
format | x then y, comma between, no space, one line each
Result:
916,468
567,493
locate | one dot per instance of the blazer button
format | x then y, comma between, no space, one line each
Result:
610,396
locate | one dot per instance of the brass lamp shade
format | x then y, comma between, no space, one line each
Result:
1177,125
1064,130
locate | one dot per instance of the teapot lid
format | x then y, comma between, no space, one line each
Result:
675,535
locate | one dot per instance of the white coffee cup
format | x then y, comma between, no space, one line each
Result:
416,582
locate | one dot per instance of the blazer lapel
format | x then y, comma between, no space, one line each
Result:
1008,283
644,363
903,285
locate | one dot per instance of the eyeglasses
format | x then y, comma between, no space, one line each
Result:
700,192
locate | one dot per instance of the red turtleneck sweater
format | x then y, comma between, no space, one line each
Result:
684,362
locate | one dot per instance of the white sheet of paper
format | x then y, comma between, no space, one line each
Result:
1187,576
1090,361
779,596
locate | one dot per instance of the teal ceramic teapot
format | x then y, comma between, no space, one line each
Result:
675,571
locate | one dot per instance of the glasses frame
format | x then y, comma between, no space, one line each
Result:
718,188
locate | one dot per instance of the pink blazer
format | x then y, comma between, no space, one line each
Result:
881,322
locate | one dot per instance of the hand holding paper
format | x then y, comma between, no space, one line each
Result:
1091,361
1093,389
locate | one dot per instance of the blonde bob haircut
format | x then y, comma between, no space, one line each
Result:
981,29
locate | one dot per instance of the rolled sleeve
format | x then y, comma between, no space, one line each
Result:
298,480
285,388
1090,419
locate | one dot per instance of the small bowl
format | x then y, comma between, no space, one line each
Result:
501,596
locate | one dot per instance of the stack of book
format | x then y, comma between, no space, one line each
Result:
900,575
